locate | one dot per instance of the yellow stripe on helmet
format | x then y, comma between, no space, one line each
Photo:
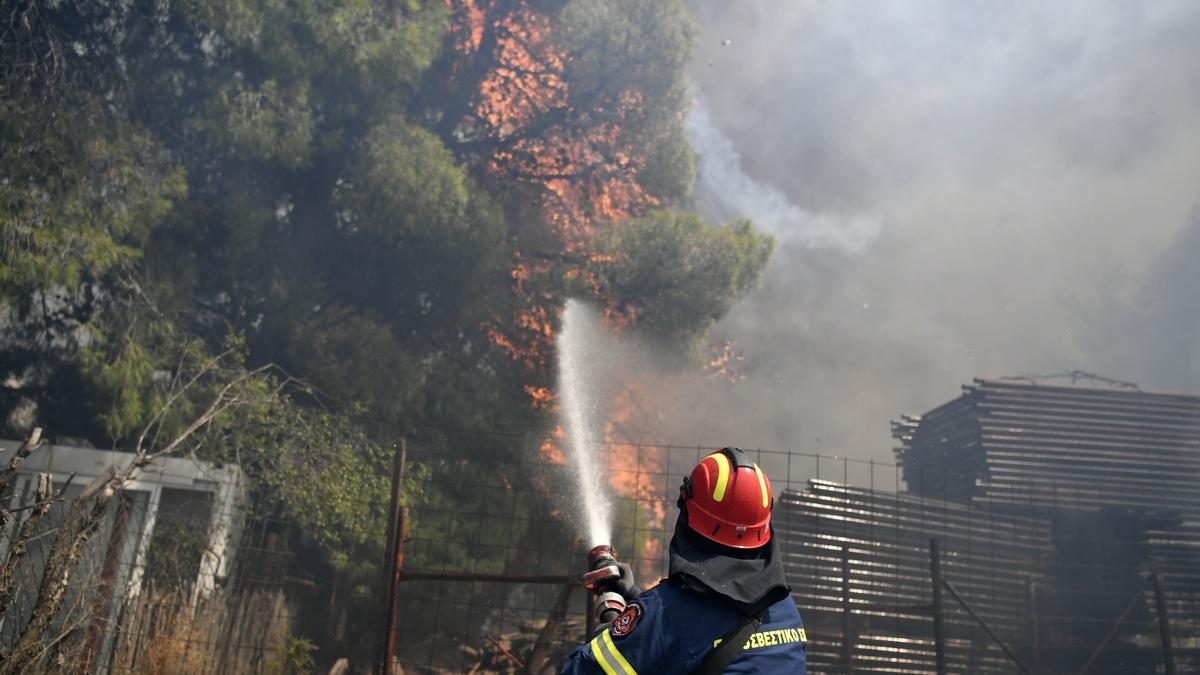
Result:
722,476
762,483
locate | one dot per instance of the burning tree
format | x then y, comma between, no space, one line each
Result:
577,109
580,101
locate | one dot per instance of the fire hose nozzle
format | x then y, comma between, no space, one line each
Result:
597,577
601,567
601,554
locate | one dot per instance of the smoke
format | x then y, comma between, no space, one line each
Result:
958,190
1157,332
726,192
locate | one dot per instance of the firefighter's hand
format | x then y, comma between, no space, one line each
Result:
625,585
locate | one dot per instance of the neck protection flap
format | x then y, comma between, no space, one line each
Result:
753,580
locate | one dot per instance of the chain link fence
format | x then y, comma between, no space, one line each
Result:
184,572
1049,586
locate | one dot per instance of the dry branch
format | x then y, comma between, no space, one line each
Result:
81,523
10,472
8,571
208,367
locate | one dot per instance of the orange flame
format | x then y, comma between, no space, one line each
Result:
468,31
726,363
522,114
543,397
550,449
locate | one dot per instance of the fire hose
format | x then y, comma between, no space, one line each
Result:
610,581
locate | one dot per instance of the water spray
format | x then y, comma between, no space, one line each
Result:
578,353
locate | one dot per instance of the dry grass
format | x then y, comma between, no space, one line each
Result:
161,634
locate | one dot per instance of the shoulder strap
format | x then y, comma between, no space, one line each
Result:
718,657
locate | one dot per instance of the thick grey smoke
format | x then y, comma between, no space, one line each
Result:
959,189
724,191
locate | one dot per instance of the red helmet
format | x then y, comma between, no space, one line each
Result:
728,500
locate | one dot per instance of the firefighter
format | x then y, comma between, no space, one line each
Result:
725,607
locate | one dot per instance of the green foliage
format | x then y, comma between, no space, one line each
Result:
631,531
293,656
670,172
647,42
135,364
118,375
359,360
465,523
79,194
390,45
407,185
679,275
382,46
265,122
333,483
317,468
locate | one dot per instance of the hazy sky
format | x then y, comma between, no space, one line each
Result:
958,189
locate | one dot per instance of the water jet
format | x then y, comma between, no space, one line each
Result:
580,355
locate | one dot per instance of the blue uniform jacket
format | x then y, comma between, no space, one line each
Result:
668,629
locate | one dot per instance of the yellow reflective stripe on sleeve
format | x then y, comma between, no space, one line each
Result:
621,662
762,484
599,656
722,476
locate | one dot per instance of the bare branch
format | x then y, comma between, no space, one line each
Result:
8,571
207,368
78,527
219,405
10,472
38,504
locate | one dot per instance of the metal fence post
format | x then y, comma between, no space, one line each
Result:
939,628
1164,626
1034,629
847,645
983,624
397,526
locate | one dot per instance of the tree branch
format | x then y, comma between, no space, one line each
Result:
219,405
77,529
10,472
8,571
207,368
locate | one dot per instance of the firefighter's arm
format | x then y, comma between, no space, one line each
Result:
639,641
